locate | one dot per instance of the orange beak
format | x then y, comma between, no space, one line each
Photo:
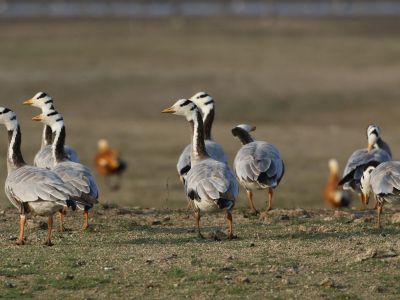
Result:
169,110
370,147
28,102
38,118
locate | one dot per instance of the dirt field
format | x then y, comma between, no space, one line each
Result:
310,86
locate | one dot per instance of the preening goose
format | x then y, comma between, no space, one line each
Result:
108,163
44,157
72,173
32,190
333,196
383,180
377,151
210,184
258,165
206,104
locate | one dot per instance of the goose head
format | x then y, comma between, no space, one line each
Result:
8,118
243,128
203,101
365,182
41,100
373,134
50,118
182,107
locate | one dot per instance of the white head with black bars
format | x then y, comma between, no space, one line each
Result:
41,100
242,132
8,118
51,118
203,101
182,107
373,134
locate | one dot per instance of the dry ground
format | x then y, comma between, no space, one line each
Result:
152,253
310,86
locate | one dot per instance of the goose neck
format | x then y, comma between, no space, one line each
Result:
198,145
14,155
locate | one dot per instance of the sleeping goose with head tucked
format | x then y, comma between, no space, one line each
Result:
209,184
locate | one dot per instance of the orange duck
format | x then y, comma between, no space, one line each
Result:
108,163
335,197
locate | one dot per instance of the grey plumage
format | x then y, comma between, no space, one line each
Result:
44,158
385,181
356,164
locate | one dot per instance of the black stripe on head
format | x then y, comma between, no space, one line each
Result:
42,95
194,107
13,118
52,113
375,132
202,96
6,110
51,107
187,102
209,102
49,101
59,119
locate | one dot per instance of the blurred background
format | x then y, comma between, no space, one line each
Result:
311,75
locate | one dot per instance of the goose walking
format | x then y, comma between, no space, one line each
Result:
44,157
209,184
333,196
377,151
383,181
32,190
206,104
73,173
258,164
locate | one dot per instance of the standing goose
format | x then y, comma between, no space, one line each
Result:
44,157
32,190
377,151
210,184
258,165
73,173
206,104
384,181
335,197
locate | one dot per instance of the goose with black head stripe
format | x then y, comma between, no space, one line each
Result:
75,174
44,157
376,152
383,180
210,184
258,164
32,190
206,104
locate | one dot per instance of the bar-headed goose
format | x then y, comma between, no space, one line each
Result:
258,164
377,151
335,197
210,184
44,157
73,173
206,104
383,180
32,190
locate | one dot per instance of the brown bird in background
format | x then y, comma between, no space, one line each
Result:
108,163
335,197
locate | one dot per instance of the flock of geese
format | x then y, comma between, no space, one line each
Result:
57,180
210,185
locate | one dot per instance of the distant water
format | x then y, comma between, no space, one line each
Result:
235,8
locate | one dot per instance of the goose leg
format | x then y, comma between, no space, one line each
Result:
380,207
270,194
49,230
230,225
86,216
362,200
250,198
61,215
197,215
22,222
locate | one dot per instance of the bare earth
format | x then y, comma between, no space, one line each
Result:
310,86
